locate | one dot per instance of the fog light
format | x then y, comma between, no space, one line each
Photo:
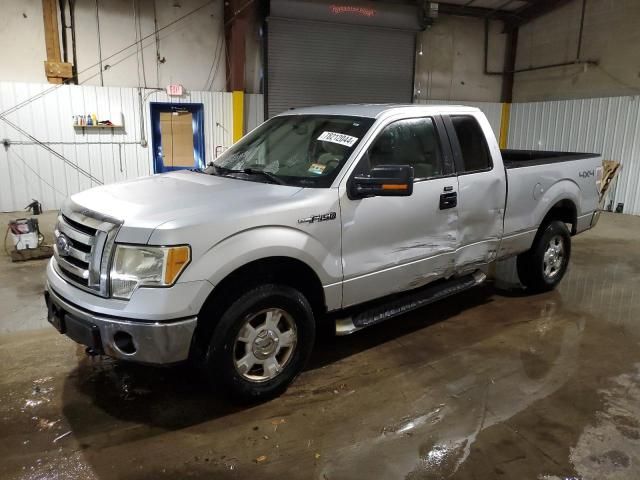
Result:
124,343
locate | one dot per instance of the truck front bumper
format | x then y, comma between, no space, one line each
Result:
154,342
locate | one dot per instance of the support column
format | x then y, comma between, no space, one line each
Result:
505,118
55,69
238,115
235,26
509,65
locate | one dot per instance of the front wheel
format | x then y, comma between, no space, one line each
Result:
542,267
262,342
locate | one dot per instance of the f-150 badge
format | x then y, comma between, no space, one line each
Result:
319,218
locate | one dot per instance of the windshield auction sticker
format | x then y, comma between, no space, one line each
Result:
340,138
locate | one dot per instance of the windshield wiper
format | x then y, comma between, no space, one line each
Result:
222,171
269,175
250,171
214,170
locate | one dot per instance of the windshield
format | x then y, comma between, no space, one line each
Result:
302,150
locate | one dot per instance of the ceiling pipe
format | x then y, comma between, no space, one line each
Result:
579,49
577,61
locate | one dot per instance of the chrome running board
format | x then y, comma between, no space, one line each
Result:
410,301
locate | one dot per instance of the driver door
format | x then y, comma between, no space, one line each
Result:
393,244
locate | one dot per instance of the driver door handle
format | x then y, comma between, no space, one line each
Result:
448,200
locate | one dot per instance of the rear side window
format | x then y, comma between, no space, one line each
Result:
473,147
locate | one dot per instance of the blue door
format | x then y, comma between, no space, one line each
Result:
177,136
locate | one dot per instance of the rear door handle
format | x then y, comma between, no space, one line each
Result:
448,200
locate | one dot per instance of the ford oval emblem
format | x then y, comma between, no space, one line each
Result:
63,244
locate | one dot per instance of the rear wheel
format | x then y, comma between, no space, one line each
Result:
541,268
262,342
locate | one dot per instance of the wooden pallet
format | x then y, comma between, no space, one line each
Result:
43,251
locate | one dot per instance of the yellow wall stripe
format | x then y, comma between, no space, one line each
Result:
504,124
238,114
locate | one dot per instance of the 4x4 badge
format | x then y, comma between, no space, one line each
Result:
319,218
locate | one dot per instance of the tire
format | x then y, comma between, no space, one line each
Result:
542,267
240,361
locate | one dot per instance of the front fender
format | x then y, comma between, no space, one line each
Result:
263,242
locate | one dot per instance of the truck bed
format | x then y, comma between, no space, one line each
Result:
530,158
548,178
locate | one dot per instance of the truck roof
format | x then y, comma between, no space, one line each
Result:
375,110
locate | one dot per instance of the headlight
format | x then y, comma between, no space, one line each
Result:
136,266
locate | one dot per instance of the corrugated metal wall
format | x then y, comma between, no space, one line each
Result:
492,110
253,111
609,126
325,62
27,170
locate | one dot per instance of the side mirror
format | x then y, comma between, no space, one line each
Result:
383,181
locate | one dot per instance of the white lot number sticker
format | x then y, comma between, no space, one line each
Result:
341,138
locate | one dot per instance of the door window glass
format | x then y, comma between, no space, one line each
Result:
176,130
413,142
473,147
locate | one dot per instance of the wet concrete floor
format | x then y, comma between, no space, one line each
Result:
489,384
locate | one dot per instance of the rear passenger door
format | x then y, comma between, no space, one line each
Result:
392,244
481,191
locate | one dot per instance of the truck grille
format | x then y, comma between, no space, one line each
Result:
82,251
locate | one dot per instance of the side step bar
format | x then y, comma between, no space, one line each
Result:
407,303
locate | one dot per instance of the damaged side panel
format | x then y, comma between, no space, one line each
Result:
393,244
481,211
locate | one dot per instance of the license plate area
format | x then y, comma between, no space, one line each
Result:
79,330
55,316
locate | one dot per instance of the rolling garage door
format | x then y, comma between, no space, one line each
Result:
319,62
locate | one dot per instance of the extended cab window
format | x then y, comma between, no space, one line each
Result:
473,147
413,141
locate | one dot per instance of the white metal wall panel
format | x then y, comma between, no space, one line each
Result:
609,126
253,111
492,110
27,170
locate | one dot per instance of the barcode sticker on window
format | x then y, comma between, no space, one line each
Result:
340,138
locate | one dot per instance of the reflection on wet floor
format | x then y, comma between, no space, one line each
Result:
492,385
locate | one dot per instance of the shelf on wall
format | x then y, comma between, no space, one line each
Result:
116,119
98,126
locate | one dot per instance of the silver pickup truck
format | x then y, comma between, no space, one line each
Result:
342,215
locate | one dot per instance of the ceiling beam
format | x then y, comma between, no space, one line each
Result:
536,9
478,12
235,26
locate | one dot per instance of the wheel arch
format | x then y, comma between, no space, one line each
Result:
283,270
564,210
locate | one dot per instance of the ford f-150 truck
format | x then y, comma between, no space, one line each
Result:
343,216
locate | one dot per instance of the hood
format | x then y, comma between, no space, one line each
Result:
146,203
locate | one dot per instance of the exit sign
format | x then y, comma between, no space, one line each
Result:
175,90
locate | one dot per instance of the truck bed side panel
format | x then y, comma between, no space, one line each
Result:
534,190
